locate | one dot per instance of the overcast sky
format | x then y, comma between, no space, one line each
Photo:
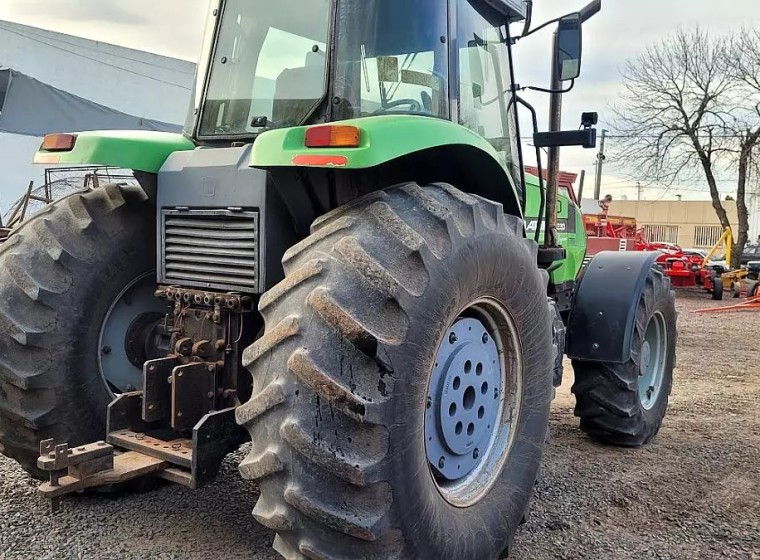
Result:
620,31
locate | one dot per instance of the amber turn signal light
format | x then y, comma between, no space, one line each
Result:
59,142
333,136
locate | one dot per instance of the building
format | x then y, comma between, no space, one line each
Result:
113,85
689,223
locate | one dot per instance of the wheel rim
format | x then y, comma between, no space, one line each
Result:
652,361
473,402
136,304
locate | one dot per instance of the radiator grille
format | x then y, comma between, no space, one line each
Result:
210,249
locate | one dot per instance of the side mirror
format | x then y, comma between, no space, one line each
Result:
569,46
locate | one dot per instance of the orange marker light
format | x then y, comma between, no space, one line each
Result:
333,136
59,142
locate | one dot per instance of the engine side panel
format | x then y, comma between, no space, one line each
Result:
223,226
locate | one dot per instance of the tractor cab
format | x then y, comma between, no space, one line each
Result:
297,63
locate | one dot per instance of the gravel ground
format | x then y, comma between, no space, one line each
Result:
693,493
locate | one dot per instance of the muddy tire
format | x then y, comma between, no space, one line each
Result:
59,274
342,379
624,404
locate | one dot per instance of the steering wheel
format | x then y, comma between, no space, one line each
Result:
414,105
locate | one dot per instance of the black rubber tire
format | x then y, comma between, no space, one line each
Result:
340,378
753,289
607,394
59,274
717,291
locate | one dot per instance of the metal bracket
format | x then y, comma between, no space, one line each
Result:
193,394
157,389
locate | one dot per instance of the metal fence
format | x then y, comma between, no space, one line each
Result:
707,236
661,234
59,182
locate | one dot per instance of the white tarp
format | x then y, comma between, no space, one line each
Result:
32,108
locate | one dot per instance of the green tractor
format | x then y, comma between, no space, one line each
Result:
342,262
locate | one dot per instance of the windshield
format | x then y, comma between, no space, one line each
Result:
391,58
268,68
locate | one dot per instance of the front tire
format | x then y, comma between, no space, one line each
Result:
342,379
624,404
60,273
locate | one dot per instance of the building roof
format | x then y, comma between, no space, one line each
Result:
127,80
565,179
32,108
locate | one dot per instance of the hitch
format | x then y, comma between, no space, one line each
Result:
181,425
135,449
89,466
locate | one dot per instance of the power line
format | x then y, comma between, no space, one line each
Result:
95,59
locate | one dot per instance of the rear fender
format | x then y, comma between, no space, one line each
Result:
397,148
142,151
602,318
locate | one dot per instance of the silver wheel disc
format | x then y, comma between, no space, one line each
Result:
473,402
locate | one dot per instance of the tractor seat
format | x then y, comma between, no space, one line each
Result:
297,90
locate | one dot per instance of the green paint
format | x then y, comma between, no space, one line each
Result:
574,243
383,138
125,149
388,137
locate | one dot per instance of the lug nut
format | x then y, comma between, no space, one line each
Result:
429,402
441,462
485,338
452,338
106,350
476,453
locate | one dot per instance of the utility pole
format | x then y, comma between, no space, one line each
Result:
599,164
551,238
638,190
580,187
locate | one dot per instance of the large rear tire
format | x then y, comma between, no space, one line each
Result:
624,404
346,381
60,275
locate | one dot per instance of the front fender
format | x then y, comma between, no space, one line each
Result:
126,149
603,314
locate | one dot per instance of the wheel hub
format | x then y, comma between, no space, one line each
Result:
652,361
646,357
123,336
463,400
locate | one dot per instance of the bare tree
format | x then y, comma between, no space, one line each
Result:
691,110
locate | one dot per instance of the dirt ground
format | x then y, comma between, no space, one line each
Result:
695,491
692,494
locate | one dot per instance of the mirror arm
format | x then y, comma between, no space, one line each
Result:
588,11
539,28
546,90
528,18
